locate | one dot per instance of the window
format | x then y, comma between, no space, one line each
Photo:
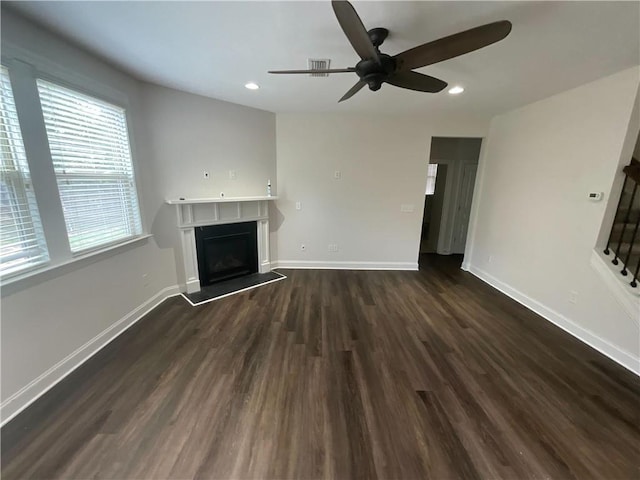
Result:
23,244
432,172
84,181
92,161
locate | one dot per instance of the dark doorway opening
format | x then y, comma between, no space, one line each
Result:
451,176
226,251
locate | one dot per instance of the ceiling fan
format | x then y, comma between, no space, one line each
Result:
376,68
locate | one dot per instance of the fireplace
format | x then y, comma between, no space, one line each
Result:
205,212
226,251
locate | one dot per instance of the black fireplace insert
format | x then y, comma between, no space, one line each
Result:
226,251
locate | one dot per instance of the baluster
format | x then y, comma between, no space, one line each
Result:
624,185
631,244
624,225
634,282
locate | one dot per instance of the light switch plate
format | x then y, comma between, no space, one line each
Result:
406,208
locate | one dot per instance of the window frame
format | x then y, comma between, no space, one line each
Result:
27,67
134,172
17,184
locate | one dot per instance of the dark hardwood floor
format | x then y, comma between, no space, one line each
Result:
338,374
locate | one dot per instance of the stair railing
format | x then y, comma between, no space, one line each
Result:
624,239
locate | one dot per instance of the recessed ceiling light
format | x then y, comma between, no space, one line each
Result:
252,86
456,90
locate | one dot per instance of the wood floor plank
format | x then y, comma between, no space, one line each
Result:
338,374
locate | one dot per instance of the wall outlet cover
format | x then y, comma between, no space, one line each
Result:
573,297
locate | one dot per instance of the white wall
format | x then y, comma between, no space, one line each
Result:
45,319
533,230
190,134
383,162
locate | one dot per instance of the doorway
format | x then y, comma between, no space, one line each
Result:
451,174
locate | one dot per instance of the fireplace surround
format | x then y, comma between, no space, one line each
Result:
204,212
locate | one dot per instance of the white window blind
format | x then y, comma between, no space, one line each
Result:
92,160
432,173
22,242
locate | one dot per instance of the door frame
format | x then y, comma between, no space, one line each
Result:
444,237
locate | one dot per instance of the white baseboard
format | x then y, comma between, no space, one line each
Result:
321,265
24,397
626,359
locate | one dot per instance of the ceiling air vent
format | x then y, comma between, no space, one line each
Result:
318,64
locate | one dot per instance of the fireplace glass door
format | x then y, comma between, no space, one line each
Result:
226,251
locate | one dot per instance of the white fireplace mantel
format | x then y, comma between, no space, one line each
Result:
183,201
200,212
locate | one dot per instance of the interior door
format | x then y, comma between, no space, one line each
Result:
461,223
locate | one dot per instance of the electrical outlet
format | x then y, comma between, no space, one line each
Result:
303,247
206,174
573,297
332,247
298,206
337,174
232,174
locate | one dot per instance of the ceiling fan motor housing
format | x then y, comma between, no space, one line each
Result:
374,73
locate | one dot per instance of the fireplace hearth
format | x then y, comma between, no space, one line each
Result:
226,251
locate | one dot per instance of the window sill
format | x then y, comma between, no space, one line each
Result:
32,277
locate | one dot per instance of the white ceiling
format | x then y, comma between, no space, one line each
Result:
214,48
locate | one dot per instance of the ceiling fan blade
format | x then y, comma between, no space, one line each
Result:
326,70
416,81
453,45
354,30
352,91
